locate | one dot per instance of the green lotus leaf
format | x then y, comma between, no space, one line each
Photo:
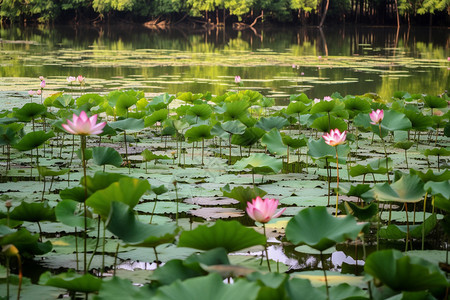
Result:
44,171
123,103
397,232
75,193
249,137
235,110
361,213
123,289
266,102
431,176
437,152
126,190
435,102
405,145
318,149
418,120
300,97
177,269
327,106
9,133
260,162
156,116
321,124
92,99
267,124
123,223
30,111
231,235
26,243
69,213
201,111
243,195
233,127
33,212
189,97
72,281
198,133
206,288
292,142
354,190
149,156
404,273
378,166
302,289
315,227
442,188
408,189
106,156
100,181
33,140
274,143
356,105
159,190
297,108
160,102
129,125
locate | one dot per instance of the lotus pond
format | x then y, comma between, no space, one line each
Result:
152,196
153,204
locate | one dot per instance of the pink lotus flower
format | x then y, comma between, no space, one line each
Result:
42,84
31,93
448,58
38,92
41,78
316,100
263,210
335,137
80,78
237,79
319,57
83,125
71,79
327,98
376,116
294,66
302,73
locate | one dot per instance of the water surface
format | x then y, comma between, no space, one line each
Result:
347,60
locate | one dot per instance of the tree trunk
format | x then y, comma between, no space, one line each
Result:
324,15
398,17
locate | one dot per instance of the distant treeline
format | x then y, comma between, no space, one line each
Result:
225,12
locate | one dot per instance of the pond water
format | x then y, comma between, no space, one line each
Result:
349,60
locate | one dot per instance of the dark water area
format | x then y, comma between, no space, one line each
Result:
277,62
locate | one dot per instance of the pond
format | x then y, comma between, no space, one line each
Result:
348,60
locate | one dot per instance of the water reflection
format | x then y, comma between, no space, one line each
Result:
349,60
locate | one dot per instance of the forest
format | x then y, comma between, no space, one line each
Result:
212,13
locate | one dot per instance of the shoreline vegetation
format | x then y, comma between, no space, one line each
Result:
238,14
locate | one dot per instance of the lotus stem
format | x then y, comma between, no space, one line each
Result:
265,248
156,257
96,243
76,247
324,274
153,211
103,249
337,187
328,179
423,224
407,227
115,259
83,159
176,196
385,154
19,261
126,151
